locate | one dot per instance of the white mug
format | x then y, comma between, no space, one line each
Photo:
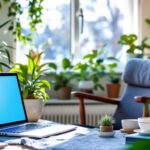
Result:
130,124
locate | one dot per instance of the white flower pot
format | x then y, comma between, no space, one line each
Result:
33,109
86,85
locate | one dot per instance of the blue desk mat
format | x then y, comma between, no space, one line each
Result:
80,139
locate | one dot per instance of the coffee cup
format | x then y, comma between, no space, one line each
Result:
144,124
129,124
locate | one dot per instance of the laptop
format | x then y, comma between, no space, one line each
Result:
13,118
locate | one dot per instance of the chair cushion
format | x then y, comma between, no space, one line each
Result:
137,72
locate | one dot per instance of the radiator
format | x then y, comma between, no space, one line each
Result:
91,119
69,113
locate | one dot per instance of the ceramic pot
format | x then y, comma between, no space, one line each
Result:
106,128
33,109
86,86
64,93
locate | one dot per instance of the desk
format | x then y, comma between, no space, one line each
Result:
80,139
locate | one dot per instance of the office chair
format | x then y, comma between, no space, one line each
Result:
133,102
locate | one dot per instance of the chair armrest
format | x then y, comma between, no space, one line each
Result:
145,100
142,99
82,95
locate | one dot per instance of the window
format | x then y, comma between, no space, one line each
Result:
60,35
53,34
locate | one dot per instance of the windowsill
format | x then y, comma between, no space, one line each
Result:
71,102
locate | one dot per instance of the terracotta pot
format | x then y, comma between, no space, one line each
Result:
106,128
33,109
64,93
113,90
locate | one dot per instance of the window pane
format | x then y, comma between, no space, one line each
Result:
104,22
53,35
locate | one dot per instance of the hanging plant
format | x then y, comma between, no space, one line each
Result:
16,10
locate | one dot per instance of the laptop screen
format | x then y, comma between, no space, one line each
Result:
11,104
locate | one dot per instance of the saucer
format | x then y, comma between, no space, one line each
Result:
128,131
142,132
106,134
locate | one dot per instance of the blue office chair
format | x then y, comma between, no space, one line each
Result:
137,79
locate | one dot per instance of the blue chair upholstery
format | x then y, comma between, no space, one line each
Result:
137,78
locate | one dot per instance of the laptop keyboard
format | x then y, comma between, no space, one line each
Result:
23,128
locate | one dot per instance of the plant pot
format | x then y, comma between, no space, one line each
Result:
33,109
86,86
64,93
113,90
106,128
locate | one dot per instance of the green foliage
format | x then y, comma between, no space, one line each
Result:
16,10
140,145
106,120
131,41
4,51
111,67
62,76
93,68
147,21
4,55
30,77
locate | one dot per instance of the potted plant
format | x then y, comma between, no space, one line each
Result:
90,71
61,78
113,87
106,124
83,74
32,85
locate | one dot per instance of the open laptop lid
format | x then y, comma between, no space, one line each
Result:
12,110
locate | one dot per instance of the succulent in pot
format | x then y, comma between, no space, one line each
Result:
106,123
32,84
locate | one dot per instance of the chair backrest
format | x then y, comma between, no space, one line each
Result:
137,79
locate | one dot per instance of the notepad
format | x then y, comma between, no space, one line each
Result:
131,138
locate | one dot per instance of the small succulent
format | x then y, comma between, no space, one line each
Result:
106,120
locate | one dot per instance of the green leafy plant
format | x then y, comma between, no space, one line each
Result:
106,120
131,41
91,68
4,54
61,76
4,51
16,10
139,145
30,77
113,76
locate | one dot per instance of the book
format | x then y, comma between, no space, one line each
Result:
131,138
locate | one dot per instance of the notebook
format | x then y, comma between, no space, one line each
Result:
13,118
131,138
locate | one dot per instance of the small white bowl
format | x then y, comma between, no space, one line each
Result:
144,124
130,124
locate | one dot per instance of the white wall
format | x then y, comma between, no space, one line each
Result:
144,13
